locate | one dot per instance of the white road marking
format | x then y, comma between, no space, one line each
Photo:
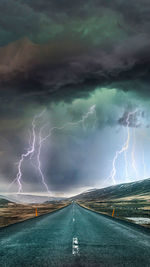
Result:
75,246
73,219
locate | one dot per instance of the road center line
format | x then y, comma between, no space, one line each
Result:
75,246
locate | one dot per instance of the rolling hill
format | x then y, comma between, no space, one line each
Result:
136,189
4,201
29,198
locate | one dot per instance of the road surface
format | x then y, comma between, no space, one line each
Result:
73,236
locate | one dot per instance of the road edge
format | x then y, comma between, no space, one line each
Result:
133,225
33,218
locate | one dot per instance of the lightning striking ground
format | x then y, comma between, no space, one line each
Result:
43,139
133,156
29,152
123,149
126,162
32,142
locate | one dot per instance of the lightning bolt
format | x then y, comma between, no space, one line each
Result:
29,152
123,149
144,165
91,111
143,134
133,155
125,158
41,140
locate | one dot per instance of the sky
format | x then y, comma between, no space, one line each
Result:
82,67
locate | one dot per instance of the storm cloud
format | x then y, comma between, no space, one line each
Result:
64,57
48,46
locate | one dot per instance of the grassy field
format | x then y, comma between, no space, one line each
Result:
11,212
132,209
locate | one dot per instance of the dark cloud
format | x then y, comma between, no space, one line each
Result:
79,43
131,119
61,55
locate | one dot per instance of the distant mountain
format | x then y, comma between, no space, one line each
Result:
141,188
4,201
23,198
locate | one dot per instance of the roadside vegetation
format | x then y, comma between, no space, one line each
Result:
136,210
11,212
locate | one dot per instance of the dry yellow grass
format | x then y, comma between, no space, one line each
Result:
13,213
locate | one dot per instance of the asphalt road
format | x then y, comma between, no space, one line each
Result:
73,236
